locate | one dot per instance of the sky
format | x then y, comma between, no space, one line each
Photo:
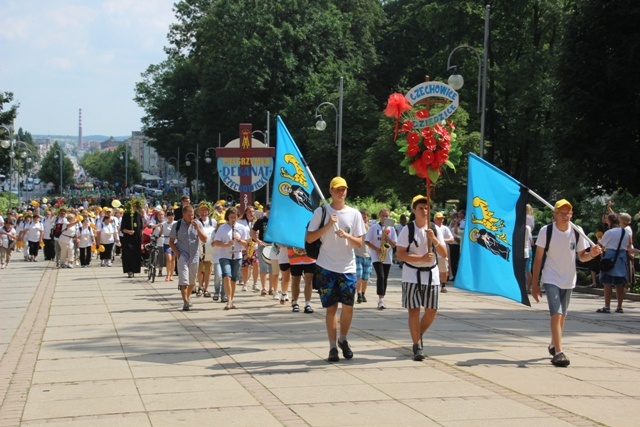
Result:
59,56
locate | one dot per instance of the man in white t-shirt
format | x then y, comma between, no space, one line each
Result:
447,236
335,276
420,276
558,275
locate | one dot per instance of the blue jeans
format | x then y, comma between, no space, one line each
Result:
558,299
217,280
230,268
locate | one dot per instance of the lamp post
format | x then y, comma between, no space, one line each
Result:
265,138
8,144
58,155
124,155
166,163
188,163
322,125
456,81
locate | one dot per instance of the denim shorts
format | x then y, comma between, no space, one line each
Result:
230,268
558,299
363,267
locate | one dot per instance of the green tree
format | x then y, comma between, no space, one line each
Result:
50,167
110,166
597,134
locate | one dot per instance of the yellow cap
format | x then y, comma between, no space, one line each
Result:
417,199
562,202
338,182
438,215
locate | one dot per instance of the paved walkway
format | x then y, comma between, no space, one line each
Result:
91,347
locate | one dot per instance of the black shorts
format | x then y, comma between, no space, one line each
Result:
285,267
297,270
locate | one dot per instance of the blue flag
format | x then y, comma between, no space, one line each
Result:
292,202
492,245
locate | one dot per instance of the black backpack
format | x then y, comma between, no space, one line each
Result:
56,231
313,248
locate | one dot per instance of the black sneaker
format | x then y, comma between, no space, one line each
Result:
185,306
364,299
560,360
359,298
551,349
418,355
333,355
346,350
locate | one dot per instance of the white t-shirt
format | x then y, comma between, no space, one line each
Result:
374,236
107,233
47,224
85,237
4,240
611,238
68,234
224,235
527,241
32,231
560,265
410,275
336,253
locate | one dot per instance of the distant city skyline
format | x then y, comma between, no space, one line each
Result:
59,56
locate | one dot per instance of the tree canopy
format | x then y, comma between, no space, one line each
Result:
552,68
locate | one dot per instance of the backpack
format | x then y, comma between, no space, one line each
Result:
313,248
56,231
546,246
412,239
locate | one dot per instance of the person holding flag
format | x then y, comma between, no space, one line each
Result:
335,276
419,249
554,266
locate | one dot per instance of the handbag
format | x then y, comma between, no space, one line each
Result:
607,264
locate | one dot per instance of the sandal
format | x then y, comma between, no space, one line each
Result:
207,294
199,292
233,307
603,310
226,307
296,308
619,310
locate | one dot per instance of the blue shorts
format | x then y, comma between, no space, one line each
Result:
230,268
167,249
527,264
335,287
363,267
558,299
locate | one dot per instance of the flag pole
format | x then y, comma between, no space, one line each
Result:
550,206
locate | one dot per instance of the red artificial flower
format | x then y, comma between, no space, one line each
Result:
446,137
451,126
427,132
407,126
396,105
427,157
441,156
439,129
422,114
430,143
445,145
420,167
413,150
413,138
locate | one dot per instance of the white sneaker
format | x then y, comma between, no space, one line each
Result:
256,288
381,305
109,263
244,288
276,295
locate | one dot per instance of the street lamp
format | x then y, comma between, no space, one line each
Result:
188,163
8,144
58,155
166,163
322,125
124,155
456,81
265,138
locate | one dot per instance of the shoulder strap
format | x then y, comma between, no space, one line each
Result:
324,216
178,227
412,233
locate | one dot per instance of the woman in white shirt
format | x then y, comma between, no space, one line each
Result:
160,239
87,239
231,238
33,234
107,237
